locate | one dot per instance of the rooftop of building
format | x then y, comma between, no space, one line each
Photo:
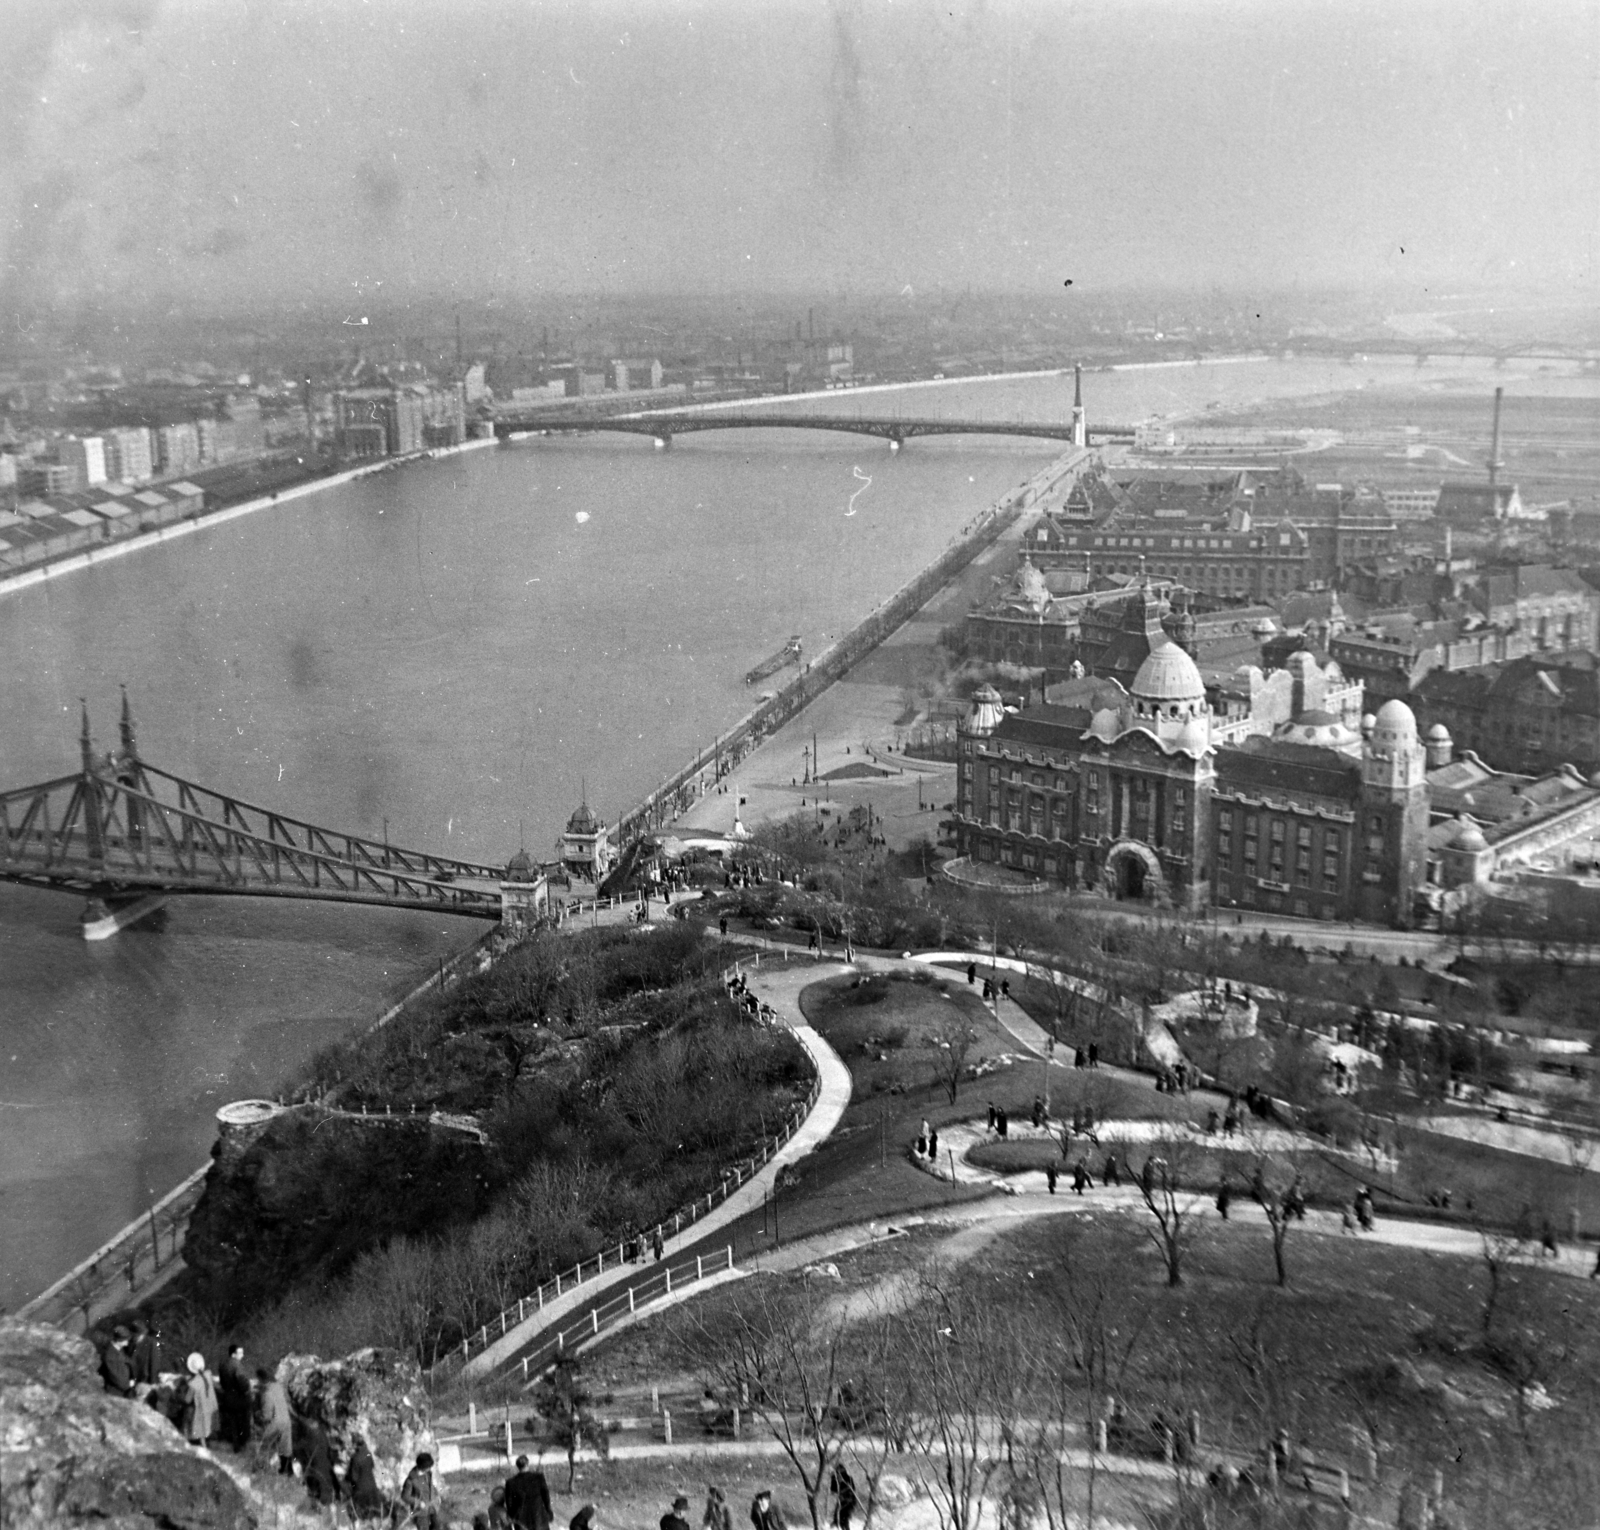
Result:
1258,766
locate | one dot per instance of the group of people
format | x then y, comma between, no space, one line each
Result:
764,1513
231,1407
928,1141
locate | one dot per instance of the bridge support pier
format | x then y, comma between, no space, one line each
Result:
895,443
102,918
663,443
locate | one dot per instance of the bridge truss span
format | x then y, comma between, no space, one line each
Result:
123,829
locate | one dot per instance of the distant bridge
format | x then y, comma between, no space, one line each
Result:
895,430
121,832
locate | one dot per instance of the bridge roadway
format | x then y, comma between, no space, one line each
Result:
894,429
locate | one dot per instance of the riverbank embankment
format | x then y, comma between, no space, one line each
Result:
692,781
92,557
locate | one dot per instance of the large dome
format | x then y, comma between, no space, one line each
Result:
1169,674
1395,723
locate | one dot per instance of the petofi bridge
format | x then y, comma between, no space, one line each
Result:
663,427
125,835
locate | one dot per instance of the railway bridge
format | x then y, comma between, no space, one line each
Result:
125,835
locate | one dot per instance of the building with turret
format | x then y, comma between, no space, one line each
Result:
1141,800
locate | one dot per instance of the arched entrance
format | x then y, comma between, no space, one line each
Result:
1133,873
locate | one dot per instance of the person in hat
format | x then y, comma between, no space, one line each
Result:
676,1518
764,1513
584,1519
199,1402
114,1368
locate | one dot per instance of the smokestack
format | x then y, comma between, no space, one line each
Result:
1495,464
1077,386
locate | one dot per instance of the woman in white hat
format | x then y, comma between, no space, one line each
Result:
199,1402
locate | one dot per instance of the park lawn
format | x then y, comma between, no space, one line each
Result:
887,1026
1343,1345
1494,1184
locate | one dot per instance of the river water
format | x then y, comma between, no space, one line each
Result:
455,651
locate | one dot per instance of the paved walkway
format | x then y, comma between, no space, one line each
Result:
777,983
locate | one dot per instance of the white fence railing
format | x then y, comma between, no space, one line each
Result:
615,1257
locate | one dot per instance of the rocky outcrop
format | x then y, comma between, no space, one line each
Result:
305,1190
374,1394
70,1453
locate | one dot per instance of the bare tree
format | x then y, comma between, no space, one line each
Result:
1082,1352
955,1036
1278,1188
790,1356
1171,1207
967,1368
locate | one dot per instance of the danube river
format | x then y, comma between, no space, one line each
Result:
455,651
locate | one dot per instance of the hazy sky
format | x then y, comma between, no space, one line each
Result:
245,149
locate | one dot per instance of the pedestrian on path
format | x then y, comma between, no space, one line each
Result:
1050,1177
1081,1178
1364,1209
972,973
145,1356
1594,1274
657,1247
764,1513
1094,1054
1001,1122
933,1142
199,1402
234,1398
717,1516
528,1498
991,1115
274,1419
1547,1239
361,1483
114,1369
1112,1173
1224,1199
845,1501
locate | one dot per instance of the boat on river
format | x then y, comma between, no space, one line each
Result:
788,654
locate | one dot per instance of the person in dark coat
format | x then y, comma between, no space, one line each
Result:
657,1247
1081,1178
1224,1199
115,1371
845,1501
764,1513
1111,1174
315,1455
420,1506
584,1519
233,1398
1050,1177
146,1355
528,1498
676,1518
361,1483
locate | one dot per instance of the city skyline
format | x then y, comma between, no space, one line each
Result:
227,156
